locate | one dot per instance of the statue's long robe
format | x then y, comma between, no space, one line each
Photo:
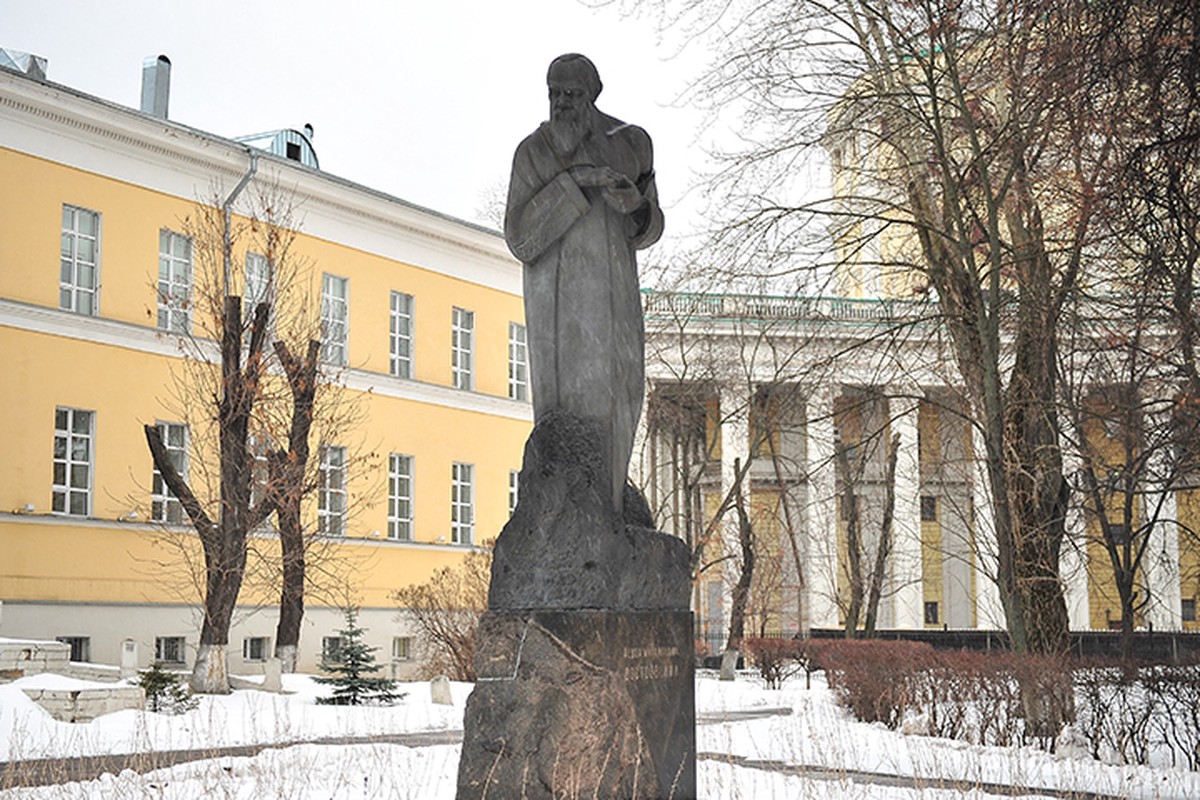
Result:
583,310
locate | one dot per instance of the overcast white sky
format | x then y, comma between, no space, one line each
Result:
423,99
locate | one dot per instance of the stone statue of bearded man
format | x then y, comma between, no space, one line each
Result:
581,202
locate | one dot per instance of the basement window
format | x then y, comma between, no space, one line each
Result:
81,647
169,649
254,648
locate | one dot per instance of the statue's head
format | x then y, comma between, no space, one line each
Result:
574,86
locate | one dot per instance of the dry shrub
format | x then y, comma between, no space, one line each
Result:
779,659
876,680
446,609
983,698
1132,716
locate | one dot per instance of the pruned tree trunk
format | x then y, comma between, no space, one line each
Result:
223,541
288,469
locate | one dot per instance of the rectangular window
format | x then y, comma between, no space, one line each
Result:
462,503
1188,607
81,647
401,648
462,348
331,499
164,507
174,282
928,508
79,265
401,334
1117,533
170,649
331,649
335,318
514,490
518,363
259,445
73,453
259,289
931,613
400,516
254,648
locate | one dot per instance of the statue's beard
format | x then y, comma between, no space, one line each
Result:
567,133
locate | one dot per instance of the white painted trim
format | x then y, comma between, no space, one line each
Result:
100,330
67,521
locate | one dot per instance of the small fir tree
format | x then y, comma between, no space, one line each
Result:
164,692
352,674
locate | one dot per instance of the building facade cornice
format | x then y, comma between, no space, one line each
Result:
61,124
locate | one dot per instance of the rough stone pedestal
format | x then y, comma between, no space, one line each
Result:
584,658
582,704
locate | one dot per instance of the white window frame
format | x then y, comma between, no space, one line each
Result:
259,287
400,497
402,649
80,646
259,445
335,319
514,490
331,494
74,461
518,362
248,647
462,348
164,506
170,649
73,292
462,503
331,649
401,335
174,282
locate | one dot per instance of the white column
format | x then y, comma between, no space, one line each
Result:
907,588
821,512
1072,560
989,612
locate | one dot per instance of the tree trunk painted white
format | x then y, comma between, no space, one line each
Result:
209,675
286,654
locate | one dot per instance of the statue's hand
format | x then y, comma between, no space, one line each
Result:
625,199
620,193
596,177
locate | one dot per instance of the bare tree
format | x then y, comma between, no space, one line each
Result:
968,155
446,610
248,291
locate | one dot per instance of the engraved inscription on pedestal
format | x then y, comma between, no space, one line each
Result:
599,700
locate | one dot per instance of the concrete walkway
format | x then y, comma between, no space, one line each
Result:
51,771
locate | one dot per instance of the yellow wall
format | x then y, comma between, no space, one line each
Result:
63,558
1188,510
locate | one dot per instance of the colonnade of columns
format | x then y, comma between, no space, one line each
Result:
962,560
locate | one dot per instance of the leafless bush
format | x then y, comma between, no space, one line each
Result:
1140,716
446,609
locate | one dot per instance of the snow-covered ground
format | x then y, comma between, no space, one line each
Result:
817,734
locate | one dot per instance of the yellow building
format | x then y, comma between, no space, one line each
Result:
421,312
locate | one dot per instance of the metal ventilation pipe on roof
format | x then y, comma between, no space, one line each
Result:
156,85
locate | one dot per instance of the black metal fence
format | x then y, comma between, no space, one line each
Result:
1154,646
